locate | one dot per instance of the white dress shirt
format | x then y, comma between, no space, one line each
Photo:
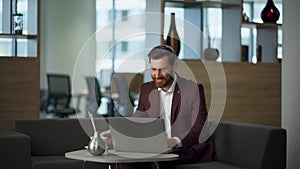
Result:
166,106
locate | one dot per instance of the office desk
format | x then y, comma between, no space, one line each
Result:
120,158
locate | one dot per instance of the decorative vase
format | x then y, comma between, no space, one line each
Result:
270,13
210,53
173,38
96,145
245,18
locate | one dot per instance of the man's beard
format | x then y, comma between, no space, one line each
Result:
166,81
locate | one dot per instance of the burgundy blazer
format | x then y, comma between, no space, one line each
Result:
188,116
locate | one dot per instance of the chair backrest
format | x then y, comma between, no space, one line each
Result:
94,90
125,106
59,90
122,88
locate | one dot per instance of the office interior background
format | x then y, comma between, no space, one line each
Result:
81,15
66,25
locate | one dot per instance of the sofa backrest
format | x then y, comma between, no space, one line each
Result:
57,136
251,146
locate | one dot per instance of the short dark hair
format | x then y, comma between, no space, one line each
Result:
163,50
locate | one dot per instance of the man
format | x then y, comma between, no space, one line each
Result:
181,103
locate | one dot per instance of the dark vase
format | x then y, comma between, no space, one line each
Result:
173,38
270,13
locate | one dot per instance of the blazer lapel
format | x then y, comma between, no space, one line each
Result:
175,104
154,100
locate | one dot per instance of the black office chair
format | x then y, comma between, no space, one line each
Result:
93,99
59,95
124,104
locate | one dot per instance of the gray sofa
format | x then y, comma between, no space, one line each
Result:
42,143
246,146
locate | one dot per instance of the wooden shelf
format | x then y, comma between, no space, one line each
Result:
195,13
23,36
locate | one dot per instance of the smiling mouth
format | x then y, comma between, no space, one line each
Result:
159,80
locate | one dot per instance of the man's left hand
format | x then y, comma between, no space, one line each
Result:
172,142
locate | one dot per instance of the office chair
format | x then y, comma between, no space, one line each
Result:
124,104
94,96
59,95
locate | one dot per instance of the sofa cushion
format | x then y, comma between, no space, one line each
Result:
251,146
58,136
60,162
210,165
15,150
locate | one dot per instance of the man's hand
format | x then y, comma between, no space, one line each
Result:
172,142
107,135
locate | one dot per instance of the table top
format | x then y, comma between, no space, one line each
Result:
120,157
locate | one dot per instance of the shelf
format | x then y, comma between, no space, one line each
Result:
206,4
18,36
18,57
196,12
220,4
229,12
252,25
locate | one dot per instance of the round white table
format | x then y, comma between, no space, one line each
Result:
120,157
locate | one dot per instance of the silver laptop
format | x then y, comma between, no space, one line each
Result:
138,135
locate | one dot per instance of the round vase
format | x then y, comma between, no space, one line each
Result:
211,54
96,145
173,38
270,13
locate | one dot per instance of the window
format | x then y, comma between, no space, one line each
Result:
213,28
124,46
124,14
121,42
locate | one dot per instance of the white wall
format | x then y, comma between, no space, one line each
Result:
66,25
291,81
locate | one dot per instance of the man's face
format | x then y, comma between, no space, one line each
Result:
161,73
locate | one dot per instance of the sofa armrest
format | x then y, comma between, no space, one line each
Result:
251,146
14,150
275,151
58,136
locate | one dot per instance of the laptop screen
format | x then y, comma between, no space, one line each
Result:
143,135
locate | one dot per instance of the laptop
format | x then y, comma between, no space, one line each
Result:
138,135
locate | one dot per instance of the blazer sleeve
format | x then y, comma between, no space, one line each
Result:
193,150
148,105
199,117
142,105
